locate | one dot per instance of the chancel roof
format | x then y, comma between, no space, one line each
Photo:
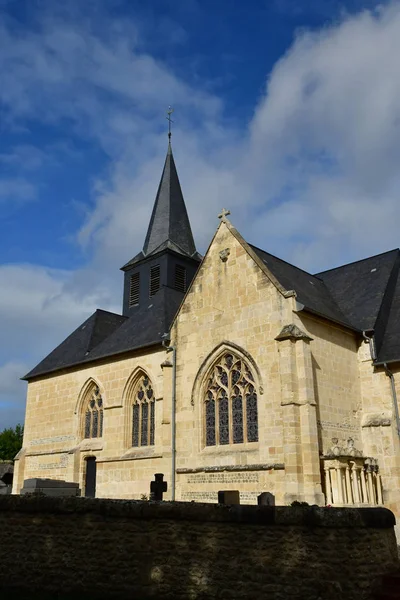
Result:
363,295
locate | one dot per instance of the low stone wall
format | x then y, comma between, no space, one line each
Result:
93,548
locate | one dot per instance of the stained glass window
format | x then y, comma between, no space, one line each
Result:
237,419
230,403
95,416
93,426
100,423
210,422
252,420
88,417
135,425
223,413
152,423
143,414
145,424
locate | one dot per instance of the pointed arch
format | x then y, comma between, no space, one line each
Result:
139,400
85,389
90,410
228,385
214,356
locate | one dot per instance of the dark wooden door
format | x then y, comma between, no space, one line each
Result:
90,486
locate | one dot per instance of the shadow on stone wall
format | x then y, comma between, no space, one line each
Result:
81,548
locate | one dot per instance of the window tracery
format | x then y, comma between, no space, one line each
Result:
93,426
230,403
143,414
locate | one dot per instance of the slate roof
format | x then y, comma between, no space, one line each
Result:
169,226
77,346
368,294
106,334
311,291
359,287
363,295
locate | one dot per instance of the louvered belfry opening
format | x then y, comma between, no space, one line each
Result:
134,289
180,278
154,279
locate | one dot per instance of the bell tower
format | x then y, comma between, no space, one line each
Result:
169,259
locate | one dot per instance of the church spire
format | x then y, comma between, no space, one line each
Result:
169,224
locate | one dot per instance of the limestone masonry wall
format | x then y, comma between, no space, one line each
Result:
78,547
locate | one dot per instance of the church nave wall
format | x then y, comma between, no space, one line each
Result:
54,439
336,381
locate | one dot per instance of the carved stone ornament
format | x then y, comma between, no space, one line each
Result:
378,419
292,332
224,254
166,363
346,448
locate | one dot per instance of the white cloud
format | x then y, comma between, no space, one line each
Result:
37,311
16,190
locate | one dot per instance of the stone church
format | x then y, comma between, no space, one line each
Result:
235,371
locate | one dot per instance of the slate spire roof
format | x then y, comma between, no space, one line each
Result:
169,226
169,223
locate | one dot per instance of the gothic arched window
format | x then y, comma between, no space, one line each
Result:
93,427
143,414
230,403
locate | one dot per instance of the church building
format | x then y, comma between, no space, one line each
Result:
235,371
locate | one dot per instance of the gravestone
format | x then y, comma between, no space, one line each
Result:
158,487
229,497
50,487
266,499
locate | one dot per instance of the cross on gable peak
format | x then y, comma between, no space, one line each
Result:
223,214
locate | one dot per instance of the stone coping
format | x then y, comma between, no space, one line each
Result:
36,482
283,516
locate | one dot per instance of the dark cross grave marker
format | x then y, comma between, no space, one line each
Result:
229,497
266,499
158,487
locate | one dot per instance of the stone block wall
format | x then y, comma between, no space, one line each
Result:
232,306
53,442
77,547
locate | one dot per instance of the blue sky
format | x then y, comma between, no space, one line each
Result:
286,112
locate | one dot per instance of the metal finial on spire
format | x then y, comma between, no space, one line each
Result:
169,113
224,213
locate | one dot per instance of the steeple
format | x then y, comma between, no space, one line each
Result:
169,224
168,262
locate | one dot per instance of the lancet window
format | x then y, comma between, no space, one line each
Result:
143,414
93,426
230,403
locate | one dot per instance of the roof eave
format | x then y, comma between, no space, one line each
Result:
322,316
89,360
389,361
196,257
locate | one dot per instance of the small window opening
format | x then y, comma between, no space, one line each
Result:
154,280
134,289
180,278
